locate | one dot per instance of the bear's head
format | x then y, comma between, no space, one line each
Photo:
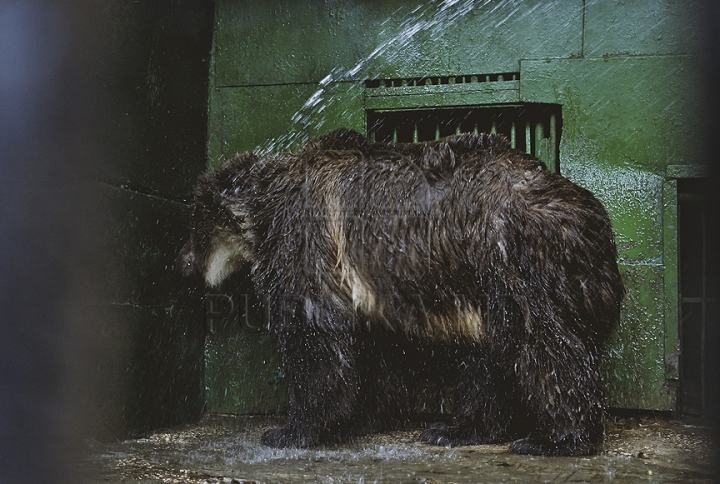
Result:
222,236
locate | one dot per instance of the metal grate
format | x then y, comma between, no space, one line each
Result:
533,128
439,80
698,254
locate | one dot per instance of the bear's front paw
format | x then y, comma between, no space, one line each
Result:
285,437
542,445
453,436
434,435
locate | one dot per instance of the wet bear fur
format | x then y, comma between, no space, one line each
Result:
390,268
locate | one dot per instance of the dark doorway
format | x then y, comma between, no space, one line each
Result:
698,256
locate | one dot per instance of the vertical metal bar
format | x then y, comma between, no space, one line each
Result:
493,128
513,136
475,129
528,142
703,355
539,137
395,135
437,131
552,144
416,137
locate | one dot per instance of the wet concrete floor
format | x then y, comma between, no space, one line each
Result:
226,449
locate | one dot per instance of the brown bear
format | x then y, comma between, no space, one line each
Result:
385,263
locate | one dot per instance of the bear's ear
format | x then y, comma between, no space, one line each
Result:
239,164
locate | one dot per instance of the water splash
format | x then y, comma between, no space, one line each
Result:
434,18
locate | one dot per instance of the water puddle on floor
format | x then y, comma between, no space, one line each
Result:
227,449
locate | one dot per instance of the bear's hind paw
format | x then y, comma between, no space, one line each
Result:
539,445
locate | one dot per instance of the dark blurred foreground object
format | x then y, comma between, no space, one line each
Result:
45,249
94,100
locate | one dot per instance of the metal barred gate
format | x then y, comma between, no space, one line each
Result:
531,127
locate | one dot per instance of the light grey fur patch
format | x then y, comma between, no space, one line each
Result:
226,256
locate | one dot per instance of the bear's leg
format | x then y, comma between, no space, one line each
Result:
387,384
560,386
321,366
482,407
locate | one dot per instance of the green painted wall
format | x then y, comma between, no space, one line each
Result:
625,74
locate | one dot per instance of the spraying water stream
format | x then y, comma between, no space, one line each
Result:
432,18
